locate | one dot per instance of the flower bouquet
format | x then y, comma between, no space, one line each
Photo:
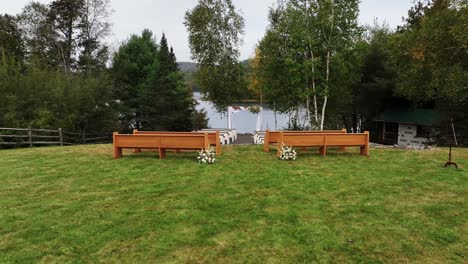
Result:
287,153
207,156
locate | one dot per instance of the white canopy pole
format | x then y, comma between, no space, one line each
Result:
259,120
229,117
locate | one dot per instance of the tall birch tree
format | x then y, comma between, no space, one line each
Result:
309,34
215,30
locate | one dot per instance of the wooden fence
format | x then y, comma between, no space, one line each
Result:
17,137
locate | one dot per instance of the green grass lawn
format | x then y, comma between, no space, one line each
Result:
76,204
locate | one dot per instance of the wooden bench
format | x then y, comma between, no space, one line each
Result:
272,137
213,137
161,142
324,140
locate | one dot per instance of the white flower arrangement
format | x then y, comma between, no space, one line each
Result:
207,156
287,153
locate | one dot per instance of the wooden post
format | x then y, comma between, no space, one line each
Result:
323,149
84,137
344,132
30,135
280,144
162,153
383,132
137,150
365,148
266,141
60,136
117,150
207,142
218,144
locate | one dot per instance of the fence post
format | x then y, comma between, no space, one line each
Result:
30,135
84,137
61,136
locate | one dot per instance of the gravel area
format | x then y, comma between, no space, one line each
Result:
244,139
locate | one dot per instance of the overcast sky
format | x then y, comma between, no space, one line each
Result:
132,16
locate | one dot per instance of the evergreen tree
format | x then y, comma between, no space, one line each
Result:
132,65
167,103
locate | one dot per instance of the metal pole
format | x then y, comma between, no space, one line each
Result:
30,135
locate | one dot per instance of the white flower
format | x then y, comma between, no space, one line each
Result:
287,153
207,156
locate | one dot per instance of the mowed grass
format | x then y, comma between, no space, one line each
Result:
76,204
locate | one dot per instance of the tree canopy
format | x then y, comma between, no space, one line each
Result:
215,33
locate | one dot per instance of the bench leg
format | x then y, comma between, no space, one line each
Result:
323,151
162,153
343,148
117,153
177,151
365,150
137,150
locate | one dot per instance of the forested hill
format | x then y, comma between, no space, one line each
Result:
191,67
188,67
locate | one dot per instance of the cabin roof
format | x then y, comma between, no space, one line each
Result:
416,117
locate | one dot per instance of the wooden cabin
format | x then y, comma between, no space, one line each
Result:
406,128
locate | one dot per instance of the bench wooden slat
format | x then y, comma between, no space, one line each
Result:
213,137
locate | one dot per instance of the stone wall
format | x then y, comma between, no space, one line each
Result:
407,137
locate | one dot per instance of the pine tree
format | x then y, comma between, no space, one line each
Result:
167,101
133,64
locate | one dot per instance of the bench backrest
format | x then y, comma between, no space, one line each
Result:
213,137
272,137
175,141
132,141
324,139
183,141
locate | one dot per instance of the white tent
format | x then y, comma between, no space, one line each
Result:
236,109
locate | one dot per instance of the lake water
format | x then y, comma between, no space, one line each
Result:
243,121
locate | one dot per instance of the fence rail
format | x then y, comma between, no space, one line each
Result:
40,137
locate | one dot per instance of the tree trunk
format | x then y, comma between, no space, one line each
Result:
276,118
327,78
298,107
307,118
69,45
325,99
314,91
